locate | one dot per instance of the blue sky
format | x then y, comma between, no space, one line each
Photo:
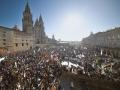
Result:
66,19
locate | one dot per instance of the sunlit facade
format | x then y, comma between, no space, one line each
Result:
109,39
31,35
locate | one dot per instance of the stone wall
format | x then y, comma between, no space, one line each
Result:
110,38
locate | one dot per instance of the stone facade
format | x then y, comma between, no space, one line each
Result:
5,38
40,36
13,39
109,39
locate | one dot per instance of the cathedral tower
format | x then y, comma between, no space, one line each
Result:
27,20
40,36
43,35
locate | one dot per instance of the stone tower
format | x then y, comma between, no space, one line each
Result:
53,37
27,20
43,35
40,36
37,32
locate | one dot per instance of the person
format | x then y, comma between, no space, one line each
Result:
71,85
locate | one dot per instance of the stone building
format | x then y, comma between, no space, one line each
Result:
40,36
13,39
109,39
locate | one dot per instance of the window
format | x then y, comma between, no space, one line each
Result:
4,39
22,44
27,44
4,35
16,44
4,32
4,43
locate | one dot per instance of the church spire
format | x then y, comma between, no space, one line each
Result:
27,8
41,20
53,37
27,20
36,22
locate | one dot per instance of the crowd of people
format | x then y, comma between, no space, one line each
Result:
41,68
95,63
36,69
